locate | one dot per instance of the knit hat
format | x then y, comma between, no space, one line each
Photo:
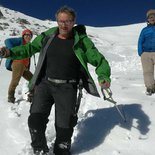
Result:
150,12
27,30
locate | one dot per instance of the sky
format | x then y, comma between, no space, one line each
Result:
89,12
100,129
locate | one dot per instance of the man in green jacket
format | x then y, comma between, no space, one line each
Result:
64,53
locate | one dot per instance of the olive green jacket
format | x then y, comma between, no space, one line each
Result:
84,49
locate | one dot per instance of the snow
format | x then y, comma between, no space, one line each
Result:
100,129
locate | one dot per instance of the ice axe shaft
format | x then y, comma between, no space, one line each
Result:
107,95
121,114
34,58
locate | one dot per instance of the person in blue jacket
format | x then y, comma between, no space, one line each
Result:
20,68
146,50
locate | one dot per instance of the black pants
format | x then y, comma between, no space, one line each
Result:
46,94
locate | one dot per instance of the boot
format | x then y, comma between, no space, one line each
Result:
150,90
62,148
11,99
41,152
37,126
38,142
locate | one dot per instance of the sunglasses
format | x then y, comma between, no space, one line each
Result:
28,35
151,16
66,22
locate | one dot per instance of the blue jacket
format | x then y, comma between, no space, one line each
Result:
146,42
12,42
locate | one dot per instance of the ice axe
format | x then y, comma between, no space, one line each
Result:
107,95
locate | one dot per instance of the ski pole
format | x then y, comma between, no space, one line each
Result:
34,61
107,95
1,61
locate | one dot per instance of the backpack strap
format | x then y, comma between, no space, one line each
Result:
45,38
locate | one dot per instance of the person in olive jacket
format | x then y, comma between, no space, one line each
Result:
146,50
64,53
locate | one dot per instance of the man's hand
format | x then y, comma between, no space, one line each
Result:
4,52
104,84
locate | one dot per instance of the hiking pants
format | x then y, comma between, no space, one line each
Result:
148,62
18,70
45,95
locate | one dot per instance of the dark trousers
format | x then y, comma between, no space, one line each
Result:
46,94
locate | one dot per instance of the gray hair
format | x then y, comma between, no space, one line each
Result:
67,10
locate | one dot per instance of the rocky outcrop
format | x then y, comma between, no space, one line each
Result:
1,15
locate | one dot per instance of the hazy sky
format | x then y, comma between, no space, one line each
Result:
89,12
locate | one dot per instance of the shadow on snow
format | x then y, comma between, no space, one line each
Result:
98,124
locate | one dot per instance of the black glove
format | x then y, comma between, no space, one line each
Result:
4,52
30,96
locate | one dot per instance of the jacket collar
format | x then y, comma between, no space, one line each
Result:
77,35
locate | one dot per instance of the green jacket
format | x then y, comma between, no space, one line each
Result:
84,49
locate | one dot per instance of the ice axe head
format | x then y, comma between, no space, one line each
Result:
107,93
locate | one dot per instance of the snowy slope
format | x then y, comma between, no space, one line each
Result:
100,129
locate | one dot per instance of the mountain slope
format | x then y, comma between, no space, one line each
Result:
100,129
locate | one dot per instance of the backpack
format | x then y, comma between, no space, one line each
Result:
8,64
9,43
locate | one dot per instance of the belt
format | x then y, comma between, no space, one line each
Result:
58,81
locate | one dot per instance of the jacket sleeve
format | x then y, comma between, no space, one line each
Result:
27,50
95,58
140,43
